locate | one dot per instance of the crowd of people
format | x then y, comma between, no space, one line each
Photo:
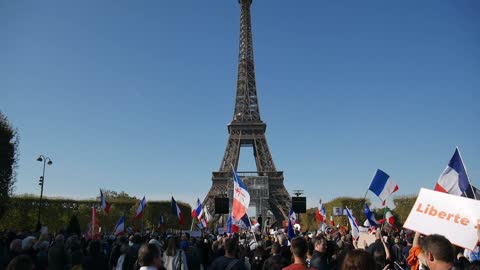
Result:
325,250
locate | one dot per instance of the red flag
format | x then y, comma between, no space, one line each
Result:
92,231
332,223
320,213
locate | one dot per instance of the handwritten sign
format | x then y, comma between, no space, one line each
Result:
454,217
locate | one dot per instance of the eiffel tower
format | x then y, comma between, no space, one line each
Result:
266,188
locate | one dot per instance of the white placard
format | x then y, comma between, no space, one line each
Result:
337,211
452,216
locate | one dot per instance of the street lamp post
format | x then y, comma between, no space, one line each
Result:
45,160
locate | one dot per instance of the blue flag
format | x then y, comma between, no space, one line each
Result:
292,219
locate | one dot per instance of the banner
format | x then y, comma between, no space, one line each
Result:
452,216
337,211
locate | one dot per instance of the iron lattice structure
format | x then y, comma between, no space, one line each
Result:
247,128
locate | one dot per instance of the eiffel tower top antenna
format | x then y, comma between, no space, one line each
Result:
246,100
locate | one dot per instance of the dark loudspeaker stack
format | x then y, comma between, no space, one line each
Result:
299,204
221,206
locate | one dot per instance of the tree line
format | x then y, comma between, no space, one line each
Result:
57,213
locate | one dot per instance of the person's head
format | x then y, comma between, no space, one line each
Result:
22,262
59,238
397,240
16,245
320,244
94,248
275,248
172,245
299,247
358,259
437,250
149,255
230,247
28,242
282,240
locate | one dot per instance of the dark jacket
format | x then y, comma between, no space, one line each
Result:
320,261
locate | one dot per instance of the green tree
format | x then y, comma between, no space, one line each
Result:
8,161
403,206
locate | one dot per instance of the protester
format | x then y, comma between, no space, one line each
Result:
57,255
95,260
275,261
299,248
174,257
228,261
21,262
320,259
149,257
358,259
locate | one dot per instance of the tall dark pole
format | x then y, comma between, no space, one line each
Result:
41,182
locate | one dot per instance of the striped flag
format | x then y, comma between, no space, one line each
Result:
176,211
454,179
103,203
120,227
353,224
241,197
140,209
382,185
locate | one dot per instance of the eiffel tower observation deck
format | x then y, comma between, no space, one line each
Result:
267,191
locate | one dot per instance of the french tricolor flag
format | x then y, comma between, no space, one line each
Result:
198,212
454,179
353,224
241,197
140,209
370,216
176,211
382,185
103,203
120,227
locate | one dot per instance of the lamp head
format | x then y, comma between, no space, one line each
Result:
49,162
40,159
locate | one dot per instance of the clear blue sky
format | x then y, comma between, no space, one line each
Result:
136,96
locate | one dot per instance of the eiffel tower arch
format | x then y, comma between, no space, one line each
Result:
266,188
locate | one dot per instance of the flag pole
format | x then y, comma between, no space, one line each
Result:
93,221
464,167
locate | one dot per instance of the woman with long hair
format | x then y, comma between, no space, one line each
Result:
174,257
